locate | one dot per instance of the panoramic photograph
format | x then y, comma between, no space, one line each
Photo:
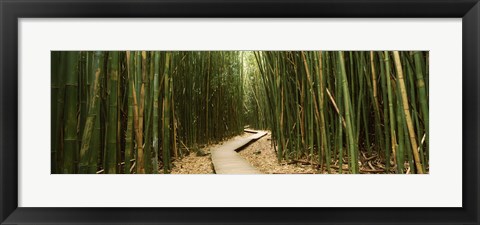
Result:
239,112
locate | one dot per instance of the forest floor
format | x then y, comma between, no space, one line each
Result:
201,163
261,155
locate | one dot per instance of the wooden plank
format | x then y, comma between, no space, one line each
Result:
227,161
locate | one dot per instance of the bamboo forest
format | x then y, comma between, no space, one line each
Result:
239,112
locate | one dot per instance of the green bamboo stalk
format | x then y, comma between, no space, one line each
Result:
422,93
88,153
60,112
71,109
166,116
82,96
57,90
138,113
408,118
147,80
400,132
128,137
378,128
385,119
111,149
350,137
391,111
156,110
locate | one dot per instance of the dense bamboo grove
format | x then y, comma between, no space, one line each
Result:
334,107
256,105
135,112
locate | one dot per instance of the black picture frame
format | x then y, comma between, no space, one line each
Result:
12,10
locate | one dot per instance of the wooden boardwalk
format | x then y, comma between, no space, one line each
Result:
227,161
